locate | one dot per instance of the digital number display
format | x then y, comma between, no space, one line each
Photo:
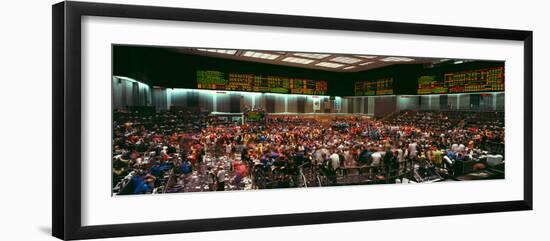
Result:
482,80
217,80
383,86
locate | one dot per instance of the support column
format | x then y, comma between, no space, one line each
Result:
494,105
286,103
214,103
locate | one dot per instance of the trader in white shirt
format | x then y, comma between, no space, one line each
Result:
334,161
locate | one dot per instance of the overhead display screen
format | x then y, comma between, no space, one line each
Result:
382,86
482,80
217,80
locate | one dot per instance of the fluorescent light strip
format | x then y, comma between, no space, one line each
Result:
345,60
396,59
128,79
313,56
260,55
329,65
297,60
296,95
221,92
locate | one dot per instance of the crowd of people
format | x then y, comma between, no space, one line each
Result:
179,151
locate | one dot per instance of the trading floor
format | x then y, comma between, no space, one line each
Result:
210,120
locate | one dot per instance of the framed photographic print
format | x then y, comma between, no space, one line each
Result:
170,120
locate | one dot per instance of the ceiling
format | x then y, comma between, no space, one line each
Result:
320,61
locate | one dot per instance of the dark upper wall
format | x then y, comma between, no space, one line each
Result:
450,67
163,67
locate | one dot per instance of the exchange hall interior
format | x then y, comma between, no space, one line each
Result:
203,119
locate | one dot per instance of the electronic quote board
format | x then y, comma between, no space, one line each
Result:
382,86
481,80
255,116
217,80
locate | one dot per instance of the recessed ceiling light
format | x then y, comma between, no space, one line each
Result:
366,63
345,60
297,60
350,67
329,65
313,56
367,56
219,51
396,59
260,55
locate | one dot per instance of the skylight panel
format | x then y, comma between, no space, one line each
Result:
219,51
313,56
260,55
366,63
396,59
345,60
298,60
367,56
329,65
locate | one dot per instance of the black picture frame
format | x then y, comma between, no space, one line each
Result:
66,127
